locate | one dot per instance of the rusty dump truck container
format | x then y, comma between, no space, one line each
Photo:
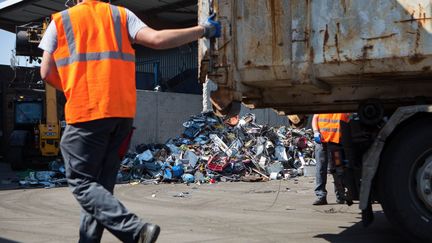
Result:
369,57
313,56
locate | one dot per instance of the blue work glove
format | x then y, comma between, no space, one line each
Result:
317,137
212,28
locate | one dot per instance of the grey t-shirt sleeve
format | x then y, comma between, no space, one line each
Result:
134,24
49,39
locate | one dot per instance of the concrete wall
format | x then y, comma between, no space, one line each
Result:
266,116
160,115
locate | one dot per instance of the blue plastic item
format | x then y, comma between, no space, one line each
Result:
177,171
167,175
188,178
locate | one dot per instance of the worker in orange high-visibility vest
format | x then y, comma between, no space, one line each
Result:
88,55
329,154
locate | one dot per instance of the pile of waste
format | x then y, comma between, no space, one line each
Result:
210,150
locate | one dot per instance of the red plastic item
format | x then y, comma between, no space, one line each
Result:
217,164
125,144
233,121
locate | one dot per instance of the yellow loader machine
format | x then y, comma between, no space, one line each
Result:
36,133
49,132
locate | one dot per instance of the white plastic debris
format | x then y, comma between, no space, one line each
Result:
146,156
221,144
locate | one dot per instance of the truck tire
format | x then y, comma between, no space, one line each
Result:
404,178
15,156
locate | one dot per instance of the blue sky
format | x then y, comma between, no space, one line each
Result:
7,40
7,44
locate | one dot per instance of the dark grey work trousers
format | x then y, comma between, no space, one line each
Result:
325,164
90,151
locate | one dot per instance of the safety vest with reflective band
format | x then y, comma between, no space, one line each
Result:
329,126
95,61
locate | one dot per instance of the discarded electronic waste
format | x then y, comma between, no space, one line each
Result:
210,150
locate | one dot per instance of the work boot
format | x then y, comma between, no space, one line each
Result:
320,201
149,233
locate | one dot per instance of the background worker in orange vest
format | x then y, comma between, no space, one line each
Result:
329,154
88,55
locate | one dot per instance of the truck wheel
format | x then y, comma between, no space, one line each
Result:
405,180
15,156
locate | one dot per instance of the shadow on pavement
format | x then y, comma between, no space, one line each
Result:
3,240
380,231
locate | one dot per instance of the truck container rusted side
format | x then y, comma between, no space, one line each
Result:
320,56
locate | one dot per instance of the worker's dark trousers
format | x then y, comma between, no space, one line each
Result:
90,151
325,164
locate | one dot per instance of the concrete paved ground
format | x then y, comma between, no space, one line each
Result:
275,211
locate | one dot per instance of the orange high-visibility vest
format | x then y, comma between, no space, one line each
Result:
329,126
95,61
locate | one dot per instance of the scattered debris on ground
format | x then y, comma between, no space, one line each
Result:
48,179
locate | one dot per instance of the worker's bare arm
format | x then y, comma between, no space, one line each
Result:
169,38
315,123
48,71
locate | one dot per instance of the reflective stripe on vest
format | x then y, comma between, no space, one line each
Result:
94,56
327,129
326,120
